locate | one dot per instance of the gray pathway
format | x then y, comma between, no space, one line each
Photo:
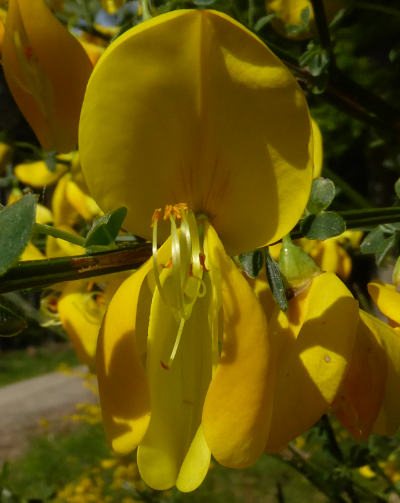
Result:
24,406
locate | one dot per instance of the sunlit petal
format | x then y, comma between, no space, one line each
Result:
207,114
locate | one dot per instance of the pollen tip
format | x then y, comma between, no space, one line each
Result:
156,216
164,366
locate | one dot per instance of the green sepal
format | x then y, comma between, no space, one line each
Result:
16,224
105,229
252,262
323,226
295,264
276,281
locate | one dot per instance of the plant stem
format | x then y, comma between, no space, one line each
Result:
40,273
322,25
311,474
58,233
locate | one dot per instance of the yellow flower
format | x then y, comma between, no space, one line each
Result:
70,199
387,298
112,6
289,13
46,70
218,135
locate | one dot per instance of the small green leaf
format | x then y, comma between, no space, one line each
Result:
263,21
106,228
323,226
384,249
11,323
372,241
252,262
305,15
16,224
322,194
397,188
276,282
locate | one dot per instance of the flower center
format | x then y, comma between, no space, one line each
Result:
187,264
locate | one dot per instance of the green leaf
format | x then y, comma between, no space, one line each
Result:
305,15
323,226
252,262
263,21
106,228
16,224
276,282
11,323
372,241
384,249
322,194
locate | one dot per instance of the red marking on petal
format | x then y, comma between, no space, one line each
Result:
28,52
203,262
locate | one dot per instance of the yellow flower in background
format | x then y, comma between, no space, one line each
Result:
47,71
387,298
289,13
70,199
112,6
81,307
220,137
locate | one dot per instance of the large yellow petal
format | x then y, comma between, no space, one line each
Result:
46,70
361,394
222,126
123,388
311,346
387,298
177,395
236,410
124,394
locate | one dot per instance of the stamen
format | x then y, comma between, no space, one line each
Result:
156,216
177,341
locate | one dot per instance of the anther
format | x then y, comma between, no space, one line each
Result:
156,216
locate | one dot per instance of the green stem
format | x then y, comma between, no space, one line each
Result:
58,233
322,25
311,474
145,10
351,194
251,13
40,273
